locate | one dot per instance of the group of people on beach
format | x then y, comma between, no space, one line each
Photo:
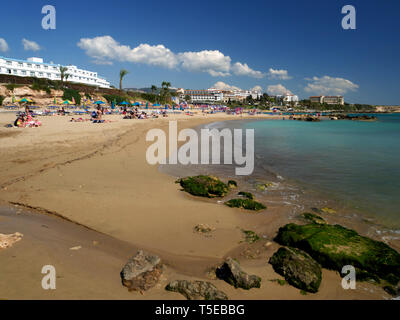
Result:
25,119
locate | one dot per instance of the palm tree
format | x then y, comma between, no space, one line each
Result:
165,85
153,89
63,71
122,74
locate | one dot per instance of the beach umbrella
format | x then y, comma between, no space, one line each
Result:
25,100
124,103
67,102
99,102
156,105
136,104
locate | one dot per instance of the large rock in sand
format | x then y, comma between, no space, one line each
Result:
298,268
196,290
232,273
141,272
334,246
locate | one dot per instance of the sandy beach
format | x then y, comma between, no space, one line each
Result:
67,185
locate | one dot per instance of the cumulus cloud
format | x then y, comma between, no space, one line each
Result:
328,85
105,49
278,74
3,45
30,45
244,70
277,89
224,86
213,62
257,88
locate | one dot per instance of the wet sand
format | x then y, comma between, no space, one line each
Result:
96,176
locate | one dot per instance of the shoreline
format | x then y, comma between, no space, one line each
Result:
59,185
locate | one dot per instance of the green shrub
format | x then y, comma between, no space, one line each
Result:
71,93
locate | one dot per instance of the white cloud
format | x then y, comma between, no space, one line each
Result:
105,49
328,85
277,89
3,45
244,70
30,45
257,88
224,86
214,62
278,74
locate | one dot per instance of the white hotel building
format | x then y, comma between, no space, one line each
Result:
35,67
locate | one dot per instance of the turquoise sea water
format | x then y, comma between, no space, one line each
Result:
357,163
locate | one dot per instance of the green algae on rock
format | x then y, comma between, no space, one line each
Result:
334,246
247,195
250,236
204,186
245,204
232,184
313,218
298,268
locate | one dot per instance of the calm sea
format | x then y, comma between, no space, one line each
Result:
354,164
357,163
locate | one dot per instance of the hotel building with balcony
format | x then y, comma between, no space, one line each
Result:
35,67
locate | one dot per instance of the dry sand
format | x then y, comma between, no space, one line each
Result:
96,175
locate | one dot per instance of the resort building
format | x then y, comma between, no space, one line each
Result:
217,95
327,99
287,99
35,67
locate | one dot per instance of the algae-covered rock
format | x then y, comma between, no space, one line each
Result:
196,290
233,274
264,186
245,204
204,186
313,218
324,210
250,236
298,268
247,195
232,184
334,246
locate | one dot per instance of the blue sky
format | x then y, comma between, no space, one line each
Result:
298,46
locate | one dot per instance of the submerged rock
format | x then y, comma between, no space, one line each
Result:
245,204
233,274
203,228
196,290
204,186
298,268
232,184
334,246
247,195
141,272
7,240
313,218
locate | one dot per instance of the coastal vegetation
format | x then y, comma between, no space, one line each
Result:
71,94
122,75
